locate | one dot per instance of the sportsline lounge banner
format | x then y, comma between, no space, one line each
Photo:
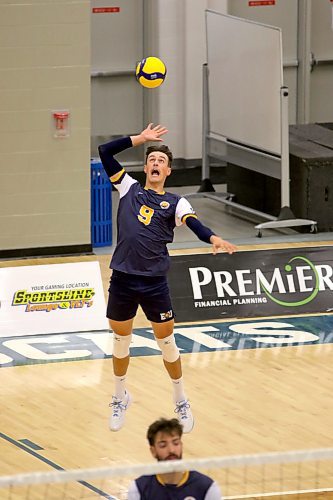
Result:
53,298
252,284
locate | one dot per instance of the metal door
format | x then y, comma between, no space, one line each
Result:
116,97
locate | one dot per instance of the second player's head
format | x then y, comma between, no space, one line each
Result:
164,437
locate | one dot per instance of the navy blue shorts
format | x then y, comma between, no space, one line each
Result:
128,291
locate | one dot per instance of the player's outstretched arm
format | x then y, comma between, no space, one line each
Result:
219,244
149,134
205,234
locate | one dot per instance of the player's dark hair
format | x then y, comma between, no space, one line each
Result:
170,427
162,148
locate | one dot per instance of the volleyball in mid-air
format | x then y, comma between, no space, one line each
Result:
150,72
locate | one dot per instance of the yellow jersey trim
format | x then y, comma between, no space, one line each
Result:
183,480
117,176
147,189
189,215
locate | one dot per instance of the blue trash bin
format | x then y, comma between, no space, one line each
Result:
101,206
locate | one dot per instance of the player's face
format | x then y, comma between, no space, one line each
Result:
167,447
157,168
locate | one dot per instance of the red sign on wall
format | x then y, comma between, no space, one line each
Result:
260,3
104,10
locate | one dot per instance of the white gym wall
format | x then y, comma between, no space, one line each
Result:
44,66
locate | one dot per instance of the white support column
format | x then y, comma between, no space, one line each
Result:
285,177
170,31
180,40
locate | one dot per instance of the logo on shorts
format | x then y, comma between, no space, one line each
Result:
164,204
166,315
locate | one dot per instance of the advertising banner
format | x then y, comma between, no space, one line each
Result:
53,298
252,284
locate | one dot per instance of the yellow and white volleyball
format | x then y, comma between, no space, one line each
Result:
150,72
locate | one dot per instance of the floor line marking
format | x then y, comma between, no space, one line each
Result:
53,464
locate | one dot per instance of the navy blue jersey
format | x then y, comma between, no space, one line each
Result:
196,486
146,220
145,224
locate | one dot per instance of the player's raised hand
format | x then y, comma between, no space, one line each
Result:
219,244
150,133
154,133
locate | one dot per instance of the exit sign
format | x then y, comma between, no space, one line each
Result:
260,3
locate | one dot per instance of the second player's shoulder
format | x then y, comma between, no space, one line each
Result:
213,491
133,492
194,474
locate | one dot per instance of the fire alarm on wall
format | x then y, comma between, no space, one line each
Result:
61,122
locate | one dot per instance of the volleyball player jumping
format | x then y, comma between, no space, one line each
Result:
146,219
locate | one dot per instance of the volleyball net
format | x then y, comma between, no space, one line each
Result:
305,475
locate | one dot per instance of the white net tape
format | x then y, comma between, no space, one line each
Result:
305,472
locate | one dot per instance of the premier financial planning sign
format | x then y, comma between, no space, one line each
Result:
252,284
